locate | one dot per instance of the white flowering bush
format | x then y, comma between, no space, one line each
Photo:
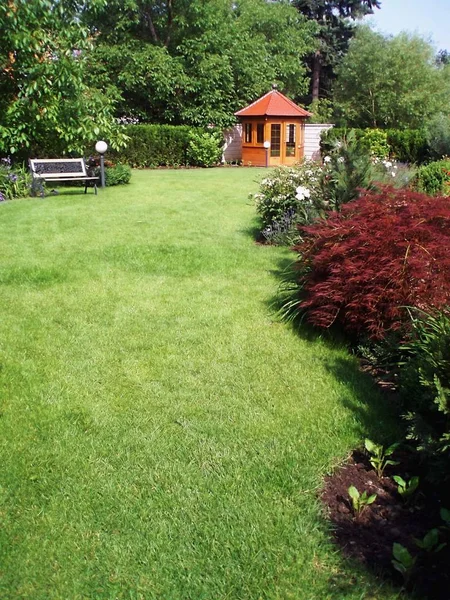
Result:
289,196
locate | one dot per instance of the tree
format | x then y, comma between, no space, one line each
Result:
334,18
386,81
197,62
43,49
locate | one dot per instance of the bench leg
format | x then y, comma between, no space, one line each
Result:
95,188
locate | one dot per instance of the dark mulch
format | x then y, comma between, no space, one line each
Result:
370,536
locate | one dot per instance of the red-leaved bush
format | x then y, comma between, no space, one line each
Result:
385,251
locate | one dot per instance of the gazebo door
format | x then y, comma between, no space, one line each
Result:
275,144
291,154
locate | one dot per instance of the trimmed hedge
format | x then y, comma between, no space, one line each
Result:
156,145
409,145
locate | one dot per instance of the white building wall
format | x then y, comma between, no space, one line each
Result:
232,149
312,139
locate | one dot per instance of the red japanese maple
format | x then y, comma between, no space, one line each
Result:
383,252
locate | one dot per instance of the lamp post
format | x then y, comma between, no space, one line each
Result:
267,146
101,148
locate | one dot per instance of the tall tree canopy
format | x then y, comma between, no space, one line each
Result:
43,51
390,82
334,19
196,62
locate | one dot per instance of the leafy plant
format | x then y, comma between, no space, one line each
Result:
205,149
403,561
360,501
430,542
379,458
445,516
15,181
376,141
288,196
434,179
383,252
406,488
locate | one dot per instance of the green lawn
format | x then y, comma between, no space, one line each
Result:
162,436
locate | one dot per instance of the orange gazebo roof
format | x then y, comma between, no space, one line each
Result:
273,104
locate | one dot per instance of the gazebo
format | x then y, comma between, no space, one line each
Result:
273,131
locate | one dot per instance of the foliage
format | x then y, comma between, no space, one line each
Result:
117,175
406,146
349,171
322,111
15,181
376,141
403,561
424,387
389,82
360,501
379,456
434,178
195,62
205,149
430,541
43,49
155,145
288,196
335,29
383,252
438,135
406,489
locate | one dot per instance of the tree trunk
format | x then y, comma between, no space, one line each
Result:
316,75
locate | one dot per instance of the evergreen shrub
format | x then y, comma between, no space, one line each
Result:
434,178
156,145
361,267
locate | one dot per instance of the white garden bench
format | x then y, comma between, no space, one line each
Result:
60,169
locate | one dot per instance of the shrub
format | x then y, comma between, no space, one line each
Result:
288,196
408,146
349,169
155,146
376,142
117,175
425,388
361,267
15,181
434,179
204,149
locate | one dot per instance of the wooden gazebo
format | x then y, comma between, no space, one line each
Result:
273,131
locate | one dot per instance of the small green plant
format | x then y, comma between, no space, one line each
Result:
445,516
360,501
403,561
406,489
430,542
205,149
379,458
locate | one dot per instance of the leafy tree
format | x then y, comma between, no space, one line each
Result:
386,81
43,51
334,18
197,62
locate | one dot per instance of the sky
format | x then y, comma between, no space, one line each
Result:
429,18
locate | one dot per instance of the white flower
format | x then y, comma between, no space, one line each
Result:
327,159
302,193
393,173
387,164
341,159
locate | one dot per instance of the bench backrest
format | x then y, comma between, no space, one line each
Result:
58,167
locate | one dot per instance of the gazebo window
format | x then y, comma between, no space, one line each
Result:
248,133
290,139
260,133
275,140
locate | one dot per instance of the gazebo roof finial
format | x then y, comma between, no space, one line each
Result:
274,86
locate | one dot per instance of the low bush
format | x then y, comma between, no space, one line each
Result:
424,386
204,149
15,181
375,141
360,268
287,197
434,179
115,174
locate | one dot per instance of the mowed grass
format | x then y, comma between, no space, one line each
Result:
161,434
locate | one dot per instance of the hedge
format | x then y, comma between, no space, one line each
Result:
155,145
409,145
